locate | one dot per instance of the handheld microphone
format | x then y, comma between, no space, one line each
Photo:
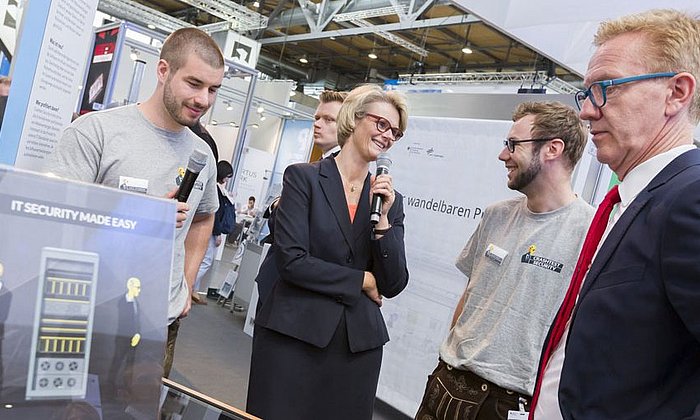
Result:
383,165
194,167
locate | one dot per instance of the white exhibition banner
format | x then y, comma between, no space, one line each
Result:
48,72
254,177
448,172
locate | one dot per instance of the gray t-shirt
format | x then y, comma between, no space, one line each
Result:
120,148
510,305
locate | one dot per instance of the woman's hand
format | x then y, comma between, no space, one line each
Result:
369,287
384,186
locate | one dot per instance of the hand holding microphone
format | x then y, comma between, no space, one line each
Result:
382,189
195,165
197,162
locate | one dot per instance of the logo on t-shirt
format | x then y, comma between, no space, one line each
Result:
530,258
180,175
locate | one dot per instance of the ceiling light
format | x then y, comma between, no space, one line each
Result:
254,125
229,107
151,26
372,55
303,59
262,117
214,122
134,54
332,38
8,406
232,124
466,49
261,109
256,4
292,93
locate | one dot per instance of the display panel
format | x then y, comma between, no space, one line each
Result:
84,285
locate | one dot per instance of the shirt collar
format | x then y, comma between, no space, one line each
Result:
641,176
330,152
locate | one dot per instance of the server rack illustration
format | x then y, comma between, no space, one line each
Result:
60,352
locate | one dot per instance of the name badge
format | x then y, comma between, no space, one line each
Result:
517,415
495,253
138,185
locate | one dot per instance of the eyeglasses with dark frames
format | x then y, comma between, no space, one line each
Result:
597,91
383,125
510,144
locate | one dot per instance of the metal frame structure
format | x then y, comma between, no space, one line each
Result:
239,17
536,77
131,11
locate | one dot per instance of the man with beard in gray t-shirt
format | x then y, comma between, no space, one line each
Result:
518,263
145,148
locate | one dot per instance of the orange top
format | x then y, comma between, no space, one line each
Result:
352,208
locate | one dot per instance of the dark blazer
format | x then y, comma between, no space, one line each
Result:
633,351
320,259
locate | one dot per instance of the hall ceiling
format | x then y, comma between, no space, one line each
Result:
336,36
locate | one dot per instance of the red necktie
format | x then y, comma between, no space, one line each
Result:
590,245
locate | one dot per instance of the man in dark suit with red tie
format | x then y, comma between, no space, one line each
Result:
626,342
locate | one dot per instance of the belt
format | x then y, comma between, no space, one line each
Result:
488,386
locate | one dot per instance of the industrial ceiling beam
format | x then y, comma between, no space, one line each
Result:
241,18
389,27
538,77
401,42
135,12
397,9
295,16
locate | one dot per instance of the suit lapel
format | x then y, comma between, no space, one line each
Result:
360,225
618,231
332,187
613,240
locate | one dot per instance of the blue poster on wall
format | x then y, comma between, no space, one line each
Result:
4,64
295,146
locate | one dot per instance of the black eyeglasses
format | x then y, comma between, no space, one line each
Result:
383,125
597,91
510,144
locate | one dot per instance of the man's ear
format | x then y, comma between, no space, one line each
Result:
553,149
680,96
162,70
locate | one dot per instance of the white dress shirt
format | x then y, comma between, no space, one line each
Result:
330,152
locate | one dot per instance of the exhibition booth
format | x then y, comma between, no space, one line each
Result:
75,336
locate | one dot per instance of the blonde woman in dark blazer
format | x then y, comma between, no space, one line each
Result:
319,335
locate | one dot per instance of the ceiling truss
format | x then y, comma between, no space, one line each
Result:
407,36
523,77
136,12
360,30
240,17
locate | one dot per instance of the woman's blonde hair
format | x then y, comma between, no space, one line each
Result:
355,107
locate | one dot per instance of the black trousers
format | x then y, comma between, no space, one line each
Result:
461,395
